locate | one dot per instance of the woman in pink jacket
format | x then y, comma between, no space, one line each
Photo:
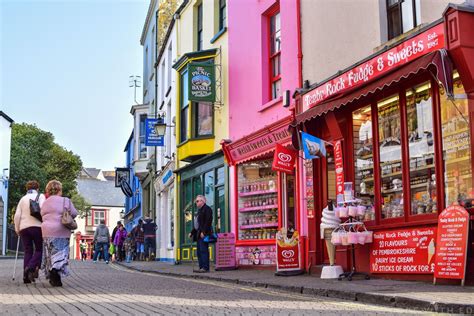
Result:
55,235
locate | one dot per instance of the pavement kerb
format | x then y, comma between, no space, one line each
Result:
370,298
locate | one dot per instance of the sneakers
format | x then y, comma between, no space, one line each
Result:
201,271
95,261
107,262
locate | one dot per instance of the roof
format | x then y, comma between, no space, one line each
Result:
100,193
90,172
2,114
109,175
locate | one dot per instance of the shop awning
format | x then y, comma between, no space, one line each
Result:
438,63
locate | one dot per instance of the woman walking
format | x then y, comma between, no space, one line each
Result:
28,228
55,234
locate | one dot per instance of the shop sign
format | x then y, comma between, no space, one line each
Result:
309,197
288,251
339,165
422,44
261,144
406,251
225,251
202,82
166,177
451,244
151,137
284,159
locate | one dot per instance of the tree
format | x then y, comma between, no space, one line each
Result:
166,10
82,207
35,156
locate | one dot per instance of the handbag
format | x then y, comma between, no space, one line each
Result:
35,209
66,218
211,238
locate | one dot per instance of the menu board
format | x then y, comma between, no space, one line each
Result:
406,251
451,245
225,251
309,196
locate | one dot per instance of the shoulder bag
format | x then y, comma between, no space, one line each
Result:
66,219
35,209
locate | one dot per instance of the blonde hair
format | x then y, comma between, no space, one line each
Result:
54,187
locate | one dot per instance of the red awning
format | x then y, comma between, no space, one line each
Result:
438,63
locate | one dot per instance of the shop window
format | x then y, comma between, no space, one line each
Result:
289,213
187,205
171,218
402,16
456,148
204,119
257,216
222,14
363,158
421,149
390,157
275,55
184,109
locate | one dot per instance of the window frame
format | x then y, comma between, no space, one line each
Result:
199,27
398,5
184,108
142,154
276,55
195,121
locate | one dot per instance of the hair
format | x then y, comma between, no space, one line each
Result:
202,197
102,221
32,185
54,187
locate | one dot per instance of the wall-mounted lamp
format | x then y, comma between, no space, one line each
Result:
160,126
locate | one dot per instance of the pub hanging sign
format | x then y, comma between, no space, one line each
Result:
202,82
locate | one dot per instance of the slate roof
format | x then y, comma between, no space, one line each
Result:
101,193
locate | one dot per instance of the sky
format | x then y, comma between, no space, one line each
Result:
65,67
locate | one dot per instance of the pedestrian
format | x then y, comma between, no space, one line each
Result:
137,233
55,234
128,247
112,239
83,248
149,234
202,227
28,229
101,240
120,236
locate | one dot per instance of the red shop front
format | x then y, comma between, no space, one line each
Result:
263,200
407,141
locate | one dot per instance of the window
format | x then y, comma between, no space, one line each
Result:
199,27
142,135
99,215
390,150
184,107
170,64
145,68
89,219
152,55
402,16
203,119
222,13
456,148
171,210
275,55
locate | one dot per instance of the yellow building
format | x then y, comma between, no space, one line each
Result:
201,116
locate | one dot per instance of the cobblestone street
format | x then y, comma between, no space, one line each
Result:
110,289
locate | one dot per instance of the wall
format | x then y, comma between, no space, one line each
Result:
5,146
249,107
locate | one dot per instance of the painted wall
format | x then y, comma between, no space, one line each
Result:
5,146
249,106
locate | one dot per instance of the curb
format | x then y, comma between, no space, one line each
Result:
369,298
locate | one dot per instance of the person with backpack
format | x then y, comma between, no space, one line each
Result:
101,240
28,228
137,234
149,233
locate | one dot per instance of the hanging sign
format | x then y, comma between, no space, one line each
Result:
406,251
151,137
339,165
202,82
284,159
288,251
451,244
313,147
422,44
225,252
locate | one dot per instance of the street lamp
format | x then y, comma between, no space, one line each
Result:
160,126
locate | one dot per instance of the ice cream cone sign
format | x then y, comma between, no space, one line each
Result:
431,250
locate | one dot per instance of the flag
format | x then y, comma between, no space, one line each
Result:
313,147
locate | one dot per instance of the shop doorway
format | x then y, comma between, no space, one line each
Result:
289,219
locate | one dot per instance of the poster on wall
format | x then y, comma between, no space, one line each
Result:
405,251
451,244
202,82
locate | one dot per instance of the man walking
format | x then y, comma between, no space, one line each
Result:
101,239
149,233
202,227
137,234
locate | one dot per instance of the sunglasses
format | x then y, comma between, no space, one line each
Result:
198,201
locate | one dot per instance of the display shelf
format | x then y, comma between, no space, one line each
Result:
244,194
455,132
258,208
399,173
420,185
456,160
257,226
392,191
463,177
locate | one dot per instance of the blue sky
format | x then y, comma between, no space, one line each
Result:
65,66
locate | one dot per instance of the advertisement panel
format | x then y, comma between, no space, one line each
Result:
225,251
407,251
284,159
339,165
288,251
151,137
202,82
451,244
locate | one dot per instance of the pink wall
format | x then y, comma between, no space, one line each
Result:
249,109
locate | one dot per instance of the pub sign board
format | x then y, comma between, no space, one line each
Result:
202,82
152,138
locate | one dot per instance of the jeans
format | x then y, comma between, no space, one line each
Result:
128,256
105,253
203,254
149,246
30,237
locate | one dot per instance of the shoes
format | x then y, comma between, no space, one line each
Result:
95,261
107,262
201,271
36,273
31,274
55,278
